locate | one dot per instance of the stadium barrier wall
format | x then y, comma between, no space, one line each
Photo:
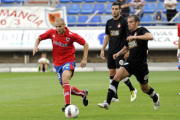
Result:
165,38
17,44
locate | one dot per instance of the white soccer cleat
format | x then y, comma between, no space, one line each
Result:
114,100
104,105
133,95
157,104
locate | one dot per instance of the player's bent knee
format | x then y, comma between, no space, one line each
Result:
112,72
117,78
144,90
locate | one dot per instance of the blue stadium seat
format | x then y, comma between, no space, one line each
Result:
178,7
95,21
100,7
77,0
105,18
161,0
74,9
149,8
176,20
18,1
160,6
82,19
8,1
87,9
151,0
89,0
60,5
108,8
101,0
146,18
131,10
6,5
64,1
112,0
71,20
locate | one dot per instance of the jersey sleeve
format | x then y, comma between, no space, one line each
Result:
46,35
106,30
144,30
126,43
126,27
77,38
179,30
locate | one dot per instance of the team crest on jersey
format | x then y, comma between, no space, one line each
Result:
53,36
67,39
119,25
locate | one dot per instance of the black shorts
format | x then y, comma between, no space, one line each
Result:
115,64
140,72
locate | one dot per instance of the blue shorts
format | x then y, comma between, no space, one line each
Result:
62,68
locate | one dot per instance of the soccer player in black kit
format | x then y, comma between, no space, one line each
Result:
137,44
116,34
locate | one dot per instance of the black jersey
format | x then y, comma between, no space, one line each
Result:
118,31
138,48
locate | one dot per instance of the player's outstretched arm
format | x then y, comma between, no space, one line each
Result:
123,51
146,36
84,60
36,45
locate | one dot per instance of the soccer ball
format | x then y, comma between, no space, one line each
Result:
71,111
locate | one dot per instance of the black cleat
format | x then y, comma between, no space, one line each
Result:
85,100
63,108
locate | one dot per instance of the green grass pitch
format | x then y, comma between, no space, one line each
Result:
38,96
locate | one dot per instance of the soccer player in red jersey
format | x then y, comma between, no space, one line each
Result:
64,57
178,40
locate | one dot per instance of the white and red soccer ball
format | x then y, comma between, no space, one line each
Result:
71,111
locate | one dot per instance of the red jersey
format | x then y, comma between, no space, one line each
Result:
179,29
63,48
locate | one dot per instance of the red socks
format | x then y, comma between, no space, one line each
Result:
68,90
67,93
75,91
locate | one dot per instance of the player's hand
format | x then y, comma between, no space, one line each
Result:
83,63
102,55
115,56
126,55
122,6
35,50
130,38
